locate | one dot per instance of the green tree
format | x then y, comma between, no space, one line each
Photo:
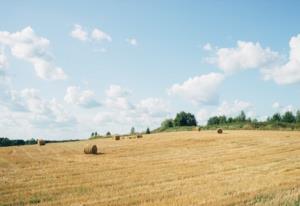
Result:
167,124
92,134
96,134
108,133
288,117
148,131
230,120
276,117
185,119
213,121
241,117
222,119
298,116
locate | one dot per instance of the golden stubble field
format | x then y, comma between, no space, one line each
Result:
182,168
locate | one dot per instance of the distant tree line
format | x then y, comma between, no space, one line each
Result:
287,117
186,121
4,142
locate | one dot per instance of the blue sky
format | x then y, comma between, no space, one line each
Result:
70,68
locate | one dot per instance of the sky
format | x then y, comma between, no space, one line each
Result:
69,68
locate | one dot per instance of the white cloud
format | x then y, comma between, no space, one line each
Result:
37,111
132,41
99,35
229,109
232,109
200,89
153,106
3,60
275,105
282,109
79,33
26,45
288,108
289,72
117,98
119,113
117,91
247,55
207,47
85,98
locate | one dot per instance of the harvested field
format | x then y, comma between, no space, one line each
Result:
182,168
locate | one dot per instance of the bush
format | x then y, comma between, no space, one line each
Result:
168,123
148,131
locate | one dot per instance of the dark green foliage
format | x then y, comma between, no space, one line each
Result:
95,134
148,131
241,117
288,117
4,142
92,134
168,123
219,120
108,133
287,121
276,117
298,116
185,119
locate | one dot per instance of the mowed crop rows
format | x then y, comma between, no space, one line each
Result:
182,168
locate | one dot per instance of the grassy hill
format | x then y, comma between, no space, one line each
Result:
173,168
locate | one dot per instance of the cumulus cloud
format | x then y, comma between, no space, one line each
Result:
79,33
289,72
83,35
229,109
282,109
120,110
246,55
26,45
39,112
84,98
117,98
200,89
234,108
117,91
132,41
153,106
99,35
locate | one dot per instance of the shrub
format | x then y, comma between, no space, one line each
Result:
167,124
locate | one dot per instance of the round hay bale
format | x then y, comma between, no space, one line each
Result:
139,136
220,131
90,149
41,142
117,137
